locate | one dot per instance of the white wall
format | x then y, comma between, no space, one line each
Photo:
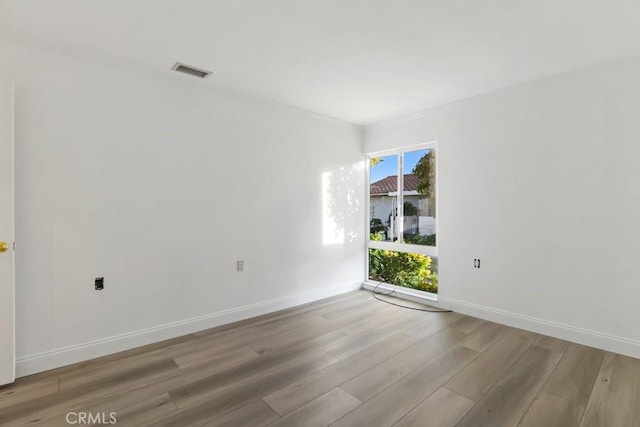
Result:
527,178
160,183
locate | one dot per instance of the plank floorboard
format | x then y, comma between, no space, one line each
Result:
283,325
302,392
553,344
22,391
254,414
576,373
293,369
337,310
245,372
208,401
616,393
130,415
223,361
479,376
353,345
376,379
393,403
443,408
482,338
320,412
380,320
46,407
433,325
552,411
509,399
469,324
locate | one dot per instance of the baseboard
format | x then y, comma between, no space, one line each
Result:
77,353
586,337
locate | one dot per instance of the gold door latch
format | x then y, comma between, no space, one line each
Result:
4,246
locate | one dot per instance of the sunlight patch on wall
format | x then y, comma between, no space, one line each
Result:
342,203
332,234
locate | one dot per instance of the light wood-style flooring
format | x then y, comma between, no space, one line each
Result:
348,360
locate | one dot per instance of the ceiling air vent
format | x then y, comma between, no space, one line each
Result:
193,71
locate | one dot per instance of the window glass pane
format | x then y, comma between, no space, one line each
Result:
383,198
405,269
419,221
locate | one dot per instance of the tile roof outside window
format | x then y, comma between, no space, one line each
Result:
390,185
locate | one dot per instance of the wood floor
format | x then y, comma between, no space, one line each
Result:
345,361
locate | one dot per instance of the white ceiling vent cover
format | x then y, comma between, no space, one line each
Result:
193,71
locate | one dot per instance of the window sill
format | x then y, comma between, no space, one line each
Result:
401,292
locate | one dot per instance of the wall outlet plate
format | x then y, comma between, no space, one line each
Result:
99,283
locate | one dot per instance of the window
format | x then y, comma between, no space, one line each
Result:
402,218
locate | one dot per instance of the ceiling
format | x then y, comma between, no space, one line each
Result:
359,61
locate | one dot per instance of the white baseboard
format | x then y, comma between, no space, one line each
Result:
586,337
582,336
32,364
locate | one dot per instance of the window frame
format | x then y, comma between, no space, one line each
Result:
400,246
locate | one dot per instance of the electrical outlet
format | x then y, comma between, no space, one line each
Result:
476,263
240,265
99,283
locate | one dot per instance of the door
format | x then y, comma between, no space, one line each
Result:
7,294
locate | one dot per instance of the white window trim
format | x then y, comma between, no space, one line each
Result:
407,193
405,247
